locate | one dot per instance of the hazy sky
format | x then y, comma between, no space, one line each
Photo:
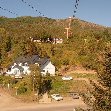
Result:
96,11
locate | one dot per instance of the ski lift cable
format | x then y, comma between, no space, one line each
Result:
8,11
76,7
32,7
25,2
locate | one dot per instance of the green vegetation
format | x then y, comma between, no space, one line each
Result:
102,92
5,80
84,48
84,75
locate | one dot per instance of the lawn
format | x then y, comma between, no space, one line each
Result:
84,75
63,87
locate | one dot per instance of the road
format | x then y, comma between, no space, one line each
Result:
47,107
53,108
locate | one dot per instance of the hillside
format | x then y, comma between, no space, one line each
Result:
85,41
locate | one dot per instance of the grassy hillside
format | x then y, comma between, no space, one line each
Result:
86,40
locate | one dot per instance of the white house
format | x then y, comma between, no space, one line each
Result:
18,69
57,40
48,68
21,65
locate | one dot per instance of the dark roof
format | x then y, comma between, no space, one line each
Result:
19,67
43,62
29,59
32,60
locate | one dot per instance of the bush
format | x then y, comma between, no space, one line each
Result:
22,89
1,79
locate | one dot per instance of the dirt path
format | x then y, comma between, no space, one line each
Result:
7,102
75,70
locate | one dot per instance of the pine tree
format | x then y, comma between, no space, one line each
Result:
102,91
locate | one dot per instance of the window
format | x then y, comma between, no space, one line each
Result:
43,70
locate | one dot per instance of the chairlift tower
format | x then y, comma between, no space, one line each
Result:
68,28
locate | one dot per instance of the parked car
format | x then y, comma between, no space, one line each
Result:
57,97
74,95
67,78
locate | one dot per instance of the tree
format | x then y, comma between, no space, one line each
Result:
102,91
0,55
30,48
8,44
46,83
106,35
36,78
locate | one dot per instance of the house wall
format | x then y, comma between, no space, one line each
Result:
26,70
49,68
15,71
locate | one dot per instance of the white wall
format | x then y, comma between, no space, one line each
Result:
26,70
50,68
15,71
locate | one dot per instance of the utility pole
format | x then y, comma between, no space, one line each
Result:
34,83
16,93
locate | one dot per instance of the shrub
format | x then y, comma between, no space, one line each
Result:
22,89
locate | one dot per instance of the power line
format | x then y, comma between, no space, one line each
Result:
76,7
8,11
32,7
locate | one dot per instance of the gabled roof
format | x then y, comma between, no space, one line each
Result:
43,62
27,59
19,67
32,60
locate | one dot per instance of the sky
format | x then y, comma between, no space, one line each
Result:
95,11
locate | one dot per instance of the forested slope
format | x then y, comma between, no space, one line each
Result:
86,40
